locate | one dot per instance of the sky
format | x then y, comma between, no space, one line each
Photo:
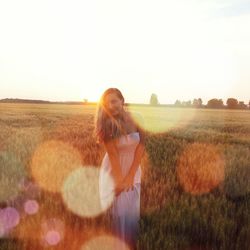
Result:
74,50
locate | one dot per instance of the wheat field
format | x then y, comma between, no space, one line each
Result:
195,190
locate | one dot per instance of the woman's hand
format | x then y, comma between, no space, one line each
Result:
128,182
125,184
119,188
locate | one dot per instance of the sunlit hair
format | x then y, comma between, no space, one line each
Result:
106,125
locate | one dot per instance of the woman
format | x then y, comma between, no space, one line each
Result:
123,139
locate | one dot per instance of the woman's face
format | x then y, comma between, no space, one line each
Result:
114,104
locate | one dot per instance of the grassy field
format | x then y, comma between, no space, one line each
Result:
195,181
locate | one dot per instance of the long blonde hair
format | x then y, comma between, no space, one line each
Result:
106,125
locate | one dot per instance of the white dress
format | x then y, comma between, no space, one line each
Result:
124,209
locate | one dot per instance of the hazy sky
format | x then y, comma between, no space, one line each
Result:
178,49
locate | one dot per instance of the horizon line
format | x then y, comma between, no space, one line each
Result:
95,102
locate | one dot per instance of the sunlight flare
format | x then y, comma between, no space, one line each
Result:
52,162
80,192
105,242
161,119
200,168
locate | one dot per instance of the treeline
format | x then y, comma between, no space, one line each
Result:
17,100
214,103
231,103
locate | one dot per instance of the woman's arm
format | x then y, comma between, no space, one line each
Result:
139,151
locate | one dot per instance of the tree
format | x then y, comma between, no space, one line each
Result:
186,103
215,103
199,102
242,105
177,103
154,99
195,103
232,103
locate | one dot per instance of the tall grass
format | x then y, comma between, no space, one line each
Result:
174,214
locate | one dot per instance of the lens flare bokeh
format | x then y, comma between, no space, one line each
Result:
80,192
161,119
52,237
52,232
105,242
9,218
52,162
201,168
31,206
